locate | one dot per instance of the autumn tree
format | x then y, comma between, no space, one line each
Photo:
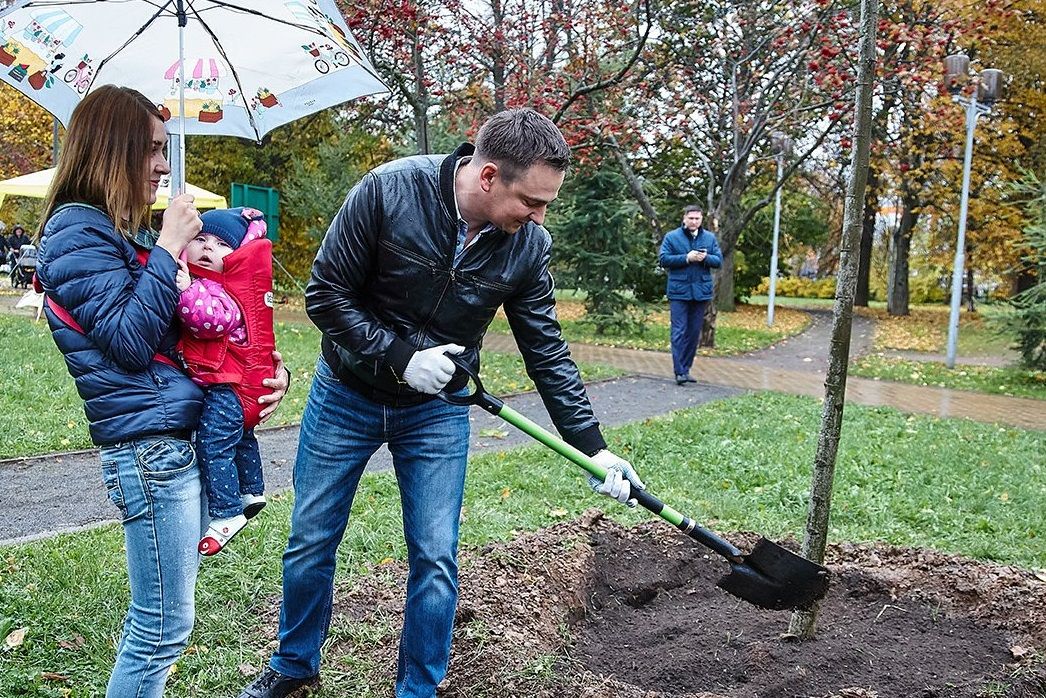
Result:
738,71
912,40
414,45
573,60
1009,142
25,134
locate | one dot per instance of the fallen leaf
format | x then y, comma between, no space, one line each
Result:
493,433
16,638
558,513
77,642
505,493
1040,575
52,676
1018,652
247,669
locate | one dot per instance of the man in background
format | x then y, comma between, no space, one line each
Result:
689,254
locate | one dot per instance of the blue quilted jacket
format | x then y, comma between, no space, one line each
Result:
689,282
127,312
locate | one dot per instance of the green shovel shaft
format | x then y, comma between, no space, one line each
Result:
644,498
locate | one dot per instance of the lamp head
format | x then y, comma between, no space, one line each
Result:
989,85
956,72
780,144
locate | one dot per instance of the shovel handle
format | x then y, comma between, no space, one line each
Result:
643,497
496,407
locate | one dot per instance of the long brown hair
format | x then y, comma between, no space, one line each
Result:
102,162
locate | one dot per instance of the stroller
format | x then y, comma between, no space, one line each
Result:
23,266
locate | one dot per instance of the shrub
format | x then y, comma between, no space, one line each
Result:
799,287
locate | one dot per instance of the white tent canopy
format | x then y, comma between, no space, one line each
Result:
35,185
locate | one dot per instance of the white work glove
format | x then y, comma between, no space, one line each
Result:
620,479
429,371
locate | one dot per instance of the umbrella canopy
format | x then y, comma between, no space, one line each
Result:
238,68
35,184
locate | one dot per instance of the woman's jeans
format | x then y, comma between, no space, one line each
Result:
340,431
155,484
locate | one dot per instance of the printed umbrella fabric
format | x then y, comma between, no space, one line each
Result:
248,66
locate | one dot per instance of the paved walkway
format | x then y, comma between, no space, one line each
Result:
757,373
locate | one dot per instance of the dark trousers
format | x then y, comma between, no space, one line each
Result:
687,319
229,457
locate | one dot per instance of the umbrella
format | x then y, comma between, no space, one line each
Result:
35,184
237,68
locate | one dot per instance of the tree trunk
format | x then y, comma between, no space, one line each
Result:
498,70
970,291
724,300
421,99
871,214
803,623
726,218
897,294
711,313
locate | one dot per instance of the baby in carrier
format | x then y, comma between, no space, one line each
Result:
227,341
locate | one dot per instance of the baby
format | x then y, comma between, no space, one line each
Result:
227,341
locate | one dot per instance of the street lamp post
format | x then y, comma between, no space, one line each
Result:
781,145
979,102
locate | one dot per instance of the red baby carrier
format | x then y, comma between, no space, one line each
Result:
248,279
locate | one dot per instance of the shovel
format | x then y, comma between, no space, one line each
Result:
770,576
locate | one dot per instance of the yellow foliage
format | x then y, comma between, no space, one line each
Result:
25,134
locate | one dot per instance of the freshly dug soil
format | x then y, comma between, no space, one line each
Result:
590,609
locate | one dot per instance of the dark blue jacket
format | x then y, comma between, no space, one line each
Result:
127,314
689,282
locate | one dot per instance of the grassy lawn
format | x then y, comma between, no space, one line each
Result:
1011,381
736,333
740,464
926,330
40,411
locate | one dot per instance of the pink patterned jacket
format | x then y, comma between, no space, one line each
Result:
207,311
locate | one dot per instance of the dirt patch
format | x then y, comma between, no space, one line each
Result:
588,608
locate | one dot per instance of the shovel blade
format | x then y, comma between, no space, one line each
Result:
775,578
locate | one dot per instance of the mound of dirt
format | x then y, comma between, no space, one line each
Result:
589,609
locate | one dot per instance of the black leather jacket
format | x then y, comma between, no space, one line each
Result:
384,286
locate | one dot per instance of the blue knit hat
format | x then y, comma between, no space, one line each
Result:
228,224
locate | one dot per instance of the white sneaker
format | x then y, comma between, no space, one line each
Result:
252,504
219,532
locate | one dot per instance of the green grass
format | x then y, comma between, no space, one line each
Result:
40,411
741,464
1011,381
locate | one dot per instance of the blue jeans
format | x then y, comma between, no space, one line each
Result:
687,319
229,457
155,484
340,431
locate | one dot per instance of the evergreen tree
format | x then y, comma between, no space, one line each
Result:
601,246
